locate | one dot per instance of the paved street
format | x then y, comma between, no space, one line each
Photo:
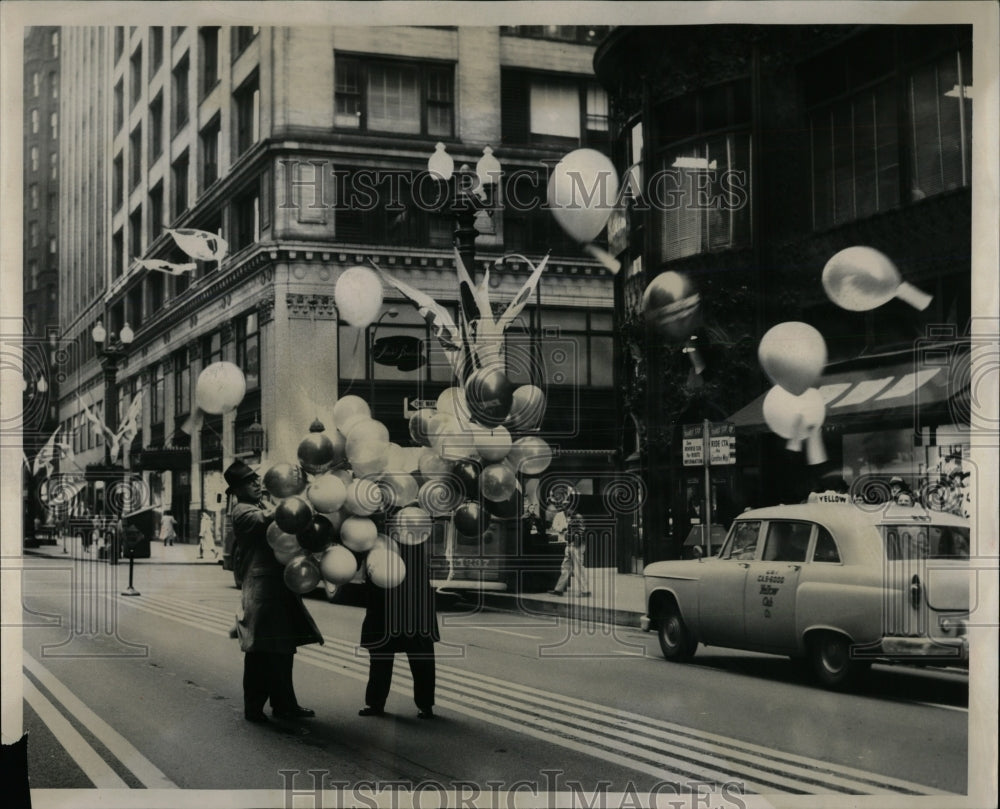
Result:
146,692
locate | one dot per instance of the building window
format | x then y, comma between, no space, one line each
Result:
247,114
156,404
34,122
53,166
175,33
246,220
36,84
155,49
182,383
53,245
54,126
55,44
33,274
135,83
562,111
53,209
33,194
32,234
211,349
119,42
155,212
179,171
248,348
34,158
156,128
702,184
243,35
401,97
117,254
180,82
209,58
209,140
118,181
119,112
135,234
135,157
54,84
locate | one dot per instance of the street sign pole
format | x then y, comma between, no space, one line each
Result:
706,524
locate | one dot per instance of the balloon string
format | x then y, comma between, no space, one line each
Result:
354,351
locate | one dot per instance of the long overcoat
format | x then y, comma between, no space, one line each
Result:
274,618
402,618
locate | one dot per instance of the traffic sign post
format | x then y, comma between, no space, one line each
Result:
708,445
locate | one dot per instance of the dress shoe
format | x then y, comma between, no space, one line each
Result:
255,716
298,712
425,713
368,710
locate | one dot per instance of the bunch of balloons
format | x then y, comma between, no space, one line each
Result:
793,355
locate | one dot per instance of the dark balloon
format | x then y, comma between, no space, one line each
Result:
469,519
317,535
512,507
293,514
489,394
672,306
467,473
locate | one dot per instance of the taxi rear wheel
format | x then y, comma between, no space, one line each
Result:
832,663
676,642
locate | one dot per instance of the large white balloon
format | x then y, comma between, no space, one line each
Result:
792,355
386,568
358,295
797,418
582,192
860,278
338,565
220,388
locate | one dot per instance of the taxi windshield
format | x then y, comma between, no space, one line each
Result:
922,541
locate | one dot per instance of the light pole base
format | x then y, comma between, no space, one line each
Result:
131,591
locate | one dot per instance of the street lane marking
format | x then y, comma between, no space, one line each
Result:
632,740
86,757
506,632
958,708
148,774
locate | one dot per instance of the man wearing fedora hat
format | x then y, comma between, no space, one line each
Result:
275,621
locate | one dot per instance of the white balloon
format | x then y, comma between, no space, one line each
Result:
582,192
386,568
338,565
220,388
358,295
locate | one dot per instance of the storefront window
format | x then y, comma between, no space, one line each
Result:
248,349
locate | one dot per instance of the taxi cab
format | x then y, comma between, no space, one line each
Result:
839,584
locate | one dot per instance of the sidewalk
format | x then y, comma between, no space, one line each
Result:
615,598
176,554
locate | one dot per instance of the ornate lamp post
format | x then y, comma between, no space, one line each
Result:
111,355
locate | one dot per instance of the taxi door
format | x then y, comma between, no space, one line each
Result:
721,588
769,597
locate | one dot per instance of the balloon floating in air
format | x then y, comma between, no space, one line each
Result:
793,355
862,278
220,388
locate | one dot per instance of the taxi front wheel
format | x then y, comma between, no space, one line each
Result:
831,658
676,642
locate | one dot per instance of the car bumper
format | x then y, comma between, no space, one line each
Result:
943,649
645,624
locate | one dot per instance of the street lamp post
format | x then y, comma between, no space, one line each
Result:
111,355
371,354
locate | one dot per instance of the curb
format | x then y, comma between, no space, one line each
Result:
571,607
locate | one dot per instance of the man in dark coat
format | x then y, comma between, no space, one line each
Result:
402,619
274,621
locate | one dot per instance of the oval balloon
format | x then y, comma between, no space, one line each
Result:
509,509
318,452
365,433
326,493
492,445
338,565
364,497
317,535
530,455
467,474
277,538
358,534
489,394
302,575
221,386
432,465
793,355
441,496
410,526
398,489
386,568
468,519
526,409
452,401
358,295
285,479
672,306
420,423
860,278
287,547
793,417
293,514
497,482
582,192
349,410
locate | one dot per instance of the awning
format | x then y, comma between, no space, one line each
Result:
878,394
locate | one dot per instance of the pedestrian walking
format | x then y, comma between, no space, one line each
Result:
274,622
573,567
168,528
206,536
402,619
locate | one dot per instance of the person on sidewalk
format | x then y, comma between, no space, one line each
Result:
168,528
401,619
206,536
573,566
275,621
